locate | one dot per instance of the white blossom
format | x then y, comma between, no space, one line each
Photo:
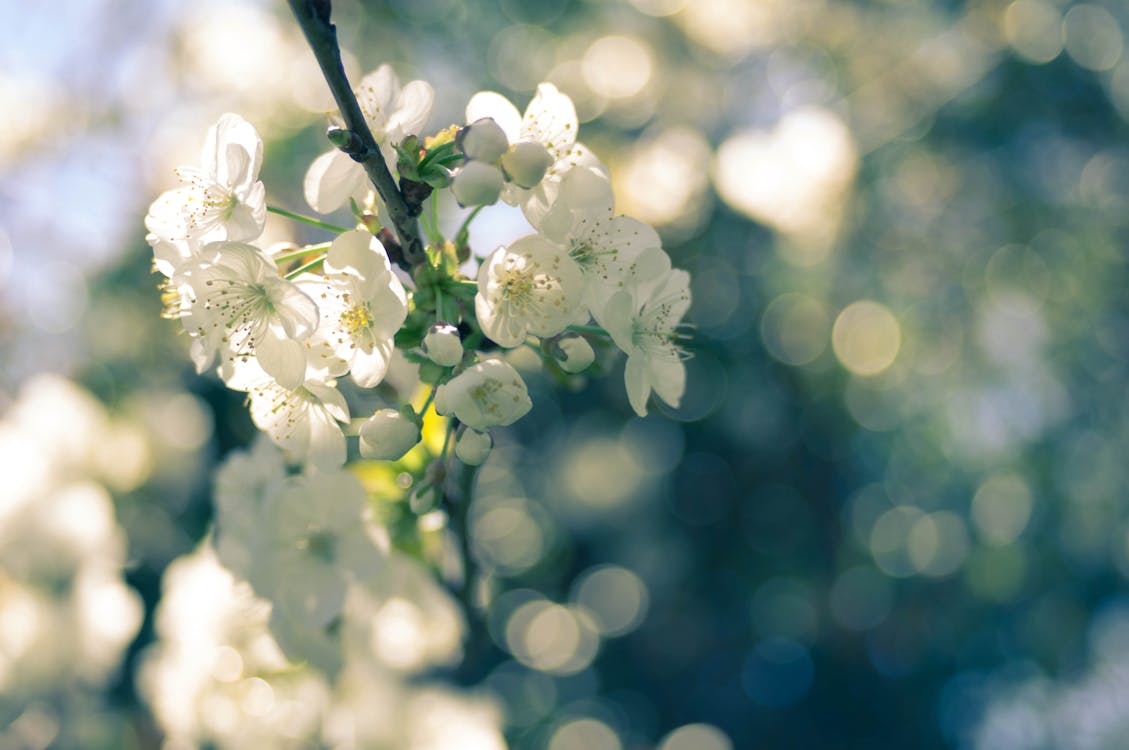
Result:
223,199
530,287
361,304
643,322
387,435
319,539
392,113
611,251
231,298
486,395
244,484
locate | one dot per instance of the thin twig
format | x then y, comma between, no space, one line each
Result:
313,17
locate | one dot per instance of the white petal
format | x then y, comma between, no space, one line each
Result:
221,157
369,368
326,450
668,378
331,180
550,119
311,591
413,107
637,384
283,359
376,95
498,108
356,252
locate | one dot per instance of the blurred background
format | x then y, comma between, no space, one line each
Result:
891,509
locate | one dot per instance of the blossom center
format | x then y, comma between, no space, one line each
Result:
356,319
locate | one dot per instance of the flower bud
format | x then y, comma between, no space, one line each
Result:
387,435
483,140
473,447
442,345
574,353
525,163
477,184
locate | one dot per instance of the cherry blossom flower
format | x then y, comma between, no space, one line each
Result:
530,287
392,113
611,251
361,304
643,322
231,298
319,540
223,199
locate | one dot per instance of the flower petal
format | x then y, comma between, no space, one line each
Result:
330,180
283,359
638,385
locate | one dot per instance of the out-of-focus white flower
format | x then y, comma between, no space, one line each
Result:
320,539
574,353
402,619
392,113
222,200
473,447
232,299
532,286
387,435
542,144
243,487
304,421
488,394
643,323
216,676
361,304
442,345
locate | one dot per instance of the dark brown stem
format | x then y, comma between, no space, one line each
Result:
358,142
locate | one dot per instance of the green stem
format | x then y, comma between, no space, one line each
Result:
306,220
597,330
301,252
427,403
433,219
463,234
305,267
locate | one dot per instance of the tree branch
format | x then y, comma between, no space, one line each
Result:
358,143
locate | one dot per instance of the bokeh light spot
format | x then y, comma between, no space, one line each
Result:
794,328
866,337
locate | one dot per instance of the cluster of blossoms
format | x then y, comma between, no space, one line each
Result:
284,326
319,334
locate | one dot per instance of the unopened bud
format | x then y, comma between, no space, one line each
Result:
473,447
483,140
574,353
477,184
387,435
525,163
442,345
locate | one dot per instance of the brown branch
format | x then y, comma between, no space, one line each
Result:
357,142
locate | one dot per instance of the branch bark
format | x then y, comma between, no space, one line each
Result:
313,18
